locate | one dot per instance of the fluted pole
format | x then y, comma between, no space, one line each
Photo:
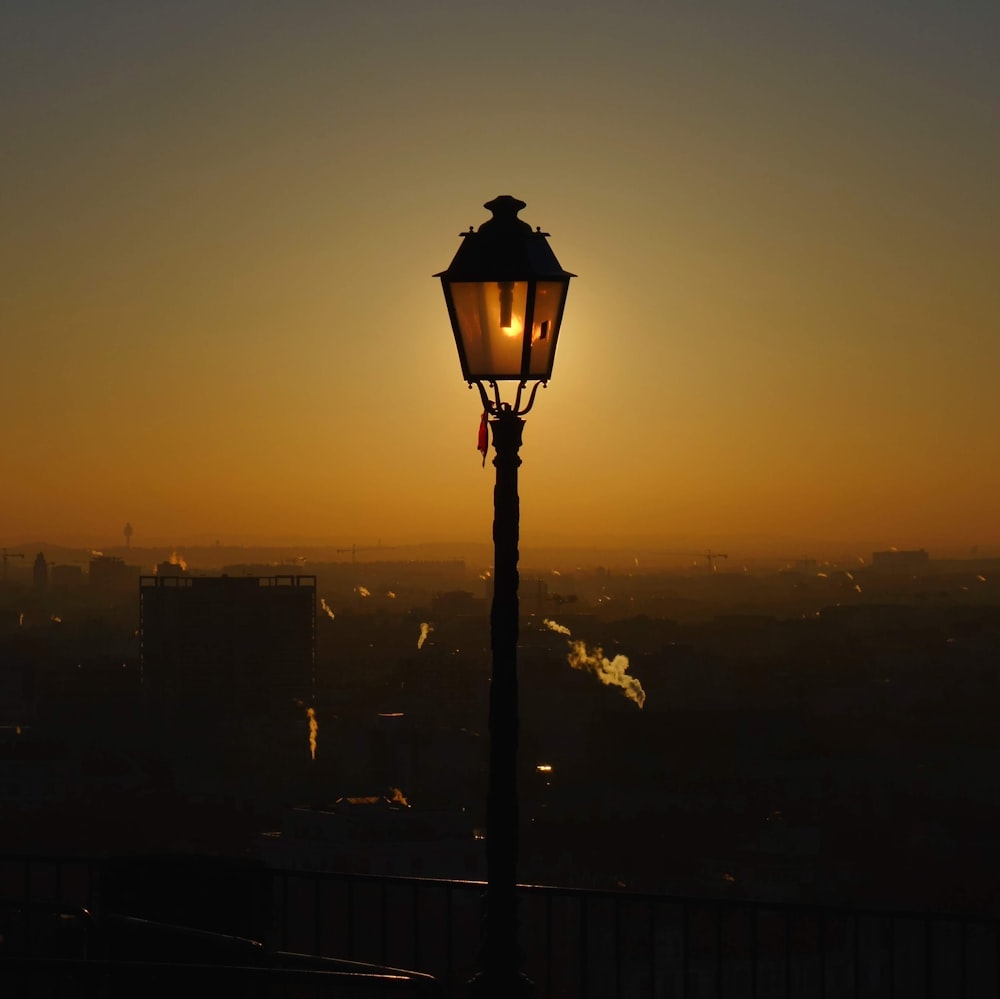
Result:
500,955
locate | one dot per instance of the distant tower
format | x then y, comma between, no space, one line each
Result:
128,535
40,573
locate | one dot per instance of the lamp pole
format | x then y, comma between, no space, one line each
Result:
500,956
505,293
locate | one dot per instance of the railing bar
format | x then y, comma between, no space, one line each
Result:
548,945
718,951
685,948
996,956
857,955
822,955
584,976
350,918
384,919
317,917
788,954
415,918
449,932
963,943
892,957
753,915
928,956
27,897
618,946
284,911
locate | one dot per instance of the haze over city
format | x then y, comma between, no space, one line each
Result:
219,321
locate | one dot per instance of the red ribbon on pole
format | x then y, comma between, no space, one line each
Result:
483,438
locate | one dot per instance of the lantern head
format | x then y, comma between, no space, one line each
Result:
505,293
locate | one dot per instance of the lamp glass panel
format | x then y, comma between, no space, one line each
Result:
491,351
549,297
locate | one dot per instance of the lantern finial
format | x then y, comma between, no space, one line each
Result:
505,209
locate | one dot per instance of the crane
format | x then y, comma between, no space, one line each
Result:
711,556
7,555
354,549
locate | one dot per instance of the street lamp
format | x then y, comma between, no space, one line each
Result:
505,293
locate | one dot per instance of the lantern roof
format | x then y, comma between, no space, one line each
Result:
504,248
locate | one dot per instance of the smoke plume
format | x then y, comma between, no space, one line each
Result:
313,730
425,630
611,672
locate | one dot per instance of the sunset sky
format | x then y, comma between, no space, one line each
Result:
221,220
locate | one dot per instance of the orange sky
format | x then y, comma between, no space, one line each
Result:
218,318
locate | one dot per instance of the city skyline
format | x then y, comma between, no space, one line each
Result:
220,319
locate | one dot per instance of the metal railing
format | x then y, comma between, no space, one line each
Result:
588,943
67,978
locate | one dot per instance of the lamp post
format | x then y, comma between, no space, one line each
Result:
505,293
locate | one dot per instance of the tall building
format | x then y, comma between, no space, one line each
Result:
241,640
227,681
40,573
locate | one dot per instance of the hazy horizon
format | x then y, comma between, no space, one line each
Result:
728,553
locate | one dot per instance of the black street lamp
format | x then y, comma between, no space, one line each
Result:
505,292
